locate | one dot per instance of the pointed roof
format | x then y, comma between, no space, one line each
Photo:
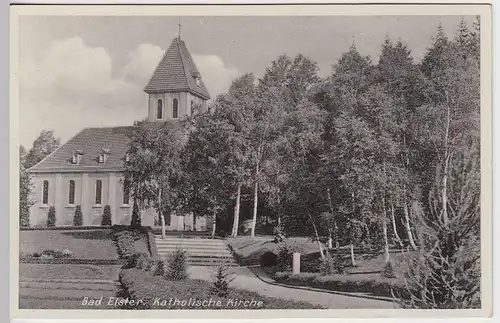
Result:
177,72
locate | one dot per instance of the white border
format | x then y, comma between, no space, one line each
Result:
486,184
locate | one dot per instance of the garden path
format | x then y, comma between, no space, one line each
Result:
244,278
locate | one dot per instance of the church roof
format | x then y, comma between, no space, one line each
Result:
177,72
90,142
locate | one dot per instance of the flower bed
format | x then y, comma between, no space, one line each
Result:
156,292
344,283
48,254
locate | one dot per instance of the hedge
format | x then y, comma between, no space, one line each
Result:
142,285
126,235
343,283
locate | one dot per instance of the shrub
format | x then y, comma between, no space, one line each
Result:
388,271
136,216
221,282
332,265
268,259
279,235
378,287
140,285
177,265
53,254
51,217
125,241
158,268
137,260
284,258
106,216
78,219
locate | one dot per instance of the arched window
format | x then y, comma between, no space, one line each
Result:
45,192
159,110
71,199
126,191
98,192
175,109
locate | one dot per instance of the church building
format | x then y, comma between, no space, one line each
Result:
88,169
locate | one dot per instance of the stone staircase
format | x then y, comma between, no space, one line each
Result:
200,250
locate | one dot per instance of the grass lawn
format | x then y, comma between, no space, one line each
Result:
85,244
68,271
249,249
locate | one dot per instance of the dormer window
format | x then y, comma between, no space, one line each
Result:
77,156
103,156
197,81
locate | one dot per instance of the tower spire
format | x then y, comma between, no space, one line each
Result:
179,29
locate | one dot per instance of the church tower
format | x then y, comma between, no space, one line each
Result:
176,88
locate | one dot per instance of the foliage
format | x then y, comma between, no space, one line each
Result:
373,153
25,187
125,243
138,284
332,265
78,217
106,216
268,259
346,283
51,217
136,216
177,265
284,257
388,270
50,254
221,281
154,168
45,144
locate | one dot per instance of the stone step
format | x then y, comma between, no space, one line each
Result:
199,252
189,242
200,256
188,249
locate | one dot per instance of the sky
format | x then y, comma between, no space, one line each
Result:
90,71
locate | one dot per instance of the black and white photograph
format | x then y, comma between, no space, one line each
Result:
175,161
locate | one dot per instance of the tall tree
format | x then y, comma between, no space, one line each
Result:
213,168
155,169
446,272
24,189
45,144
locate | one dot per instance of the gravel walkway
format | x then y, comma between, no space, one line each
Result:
245,279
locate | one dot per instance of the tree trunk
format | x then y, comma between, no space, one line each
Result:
330,240
236,220
279,209
394,227
446,162
214,223
386,241
405,203
407,220
321,252
162,217
334,233
384,230
408,227
255,201
353,261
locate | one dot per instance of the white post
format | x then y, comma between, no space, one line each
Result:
296,263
